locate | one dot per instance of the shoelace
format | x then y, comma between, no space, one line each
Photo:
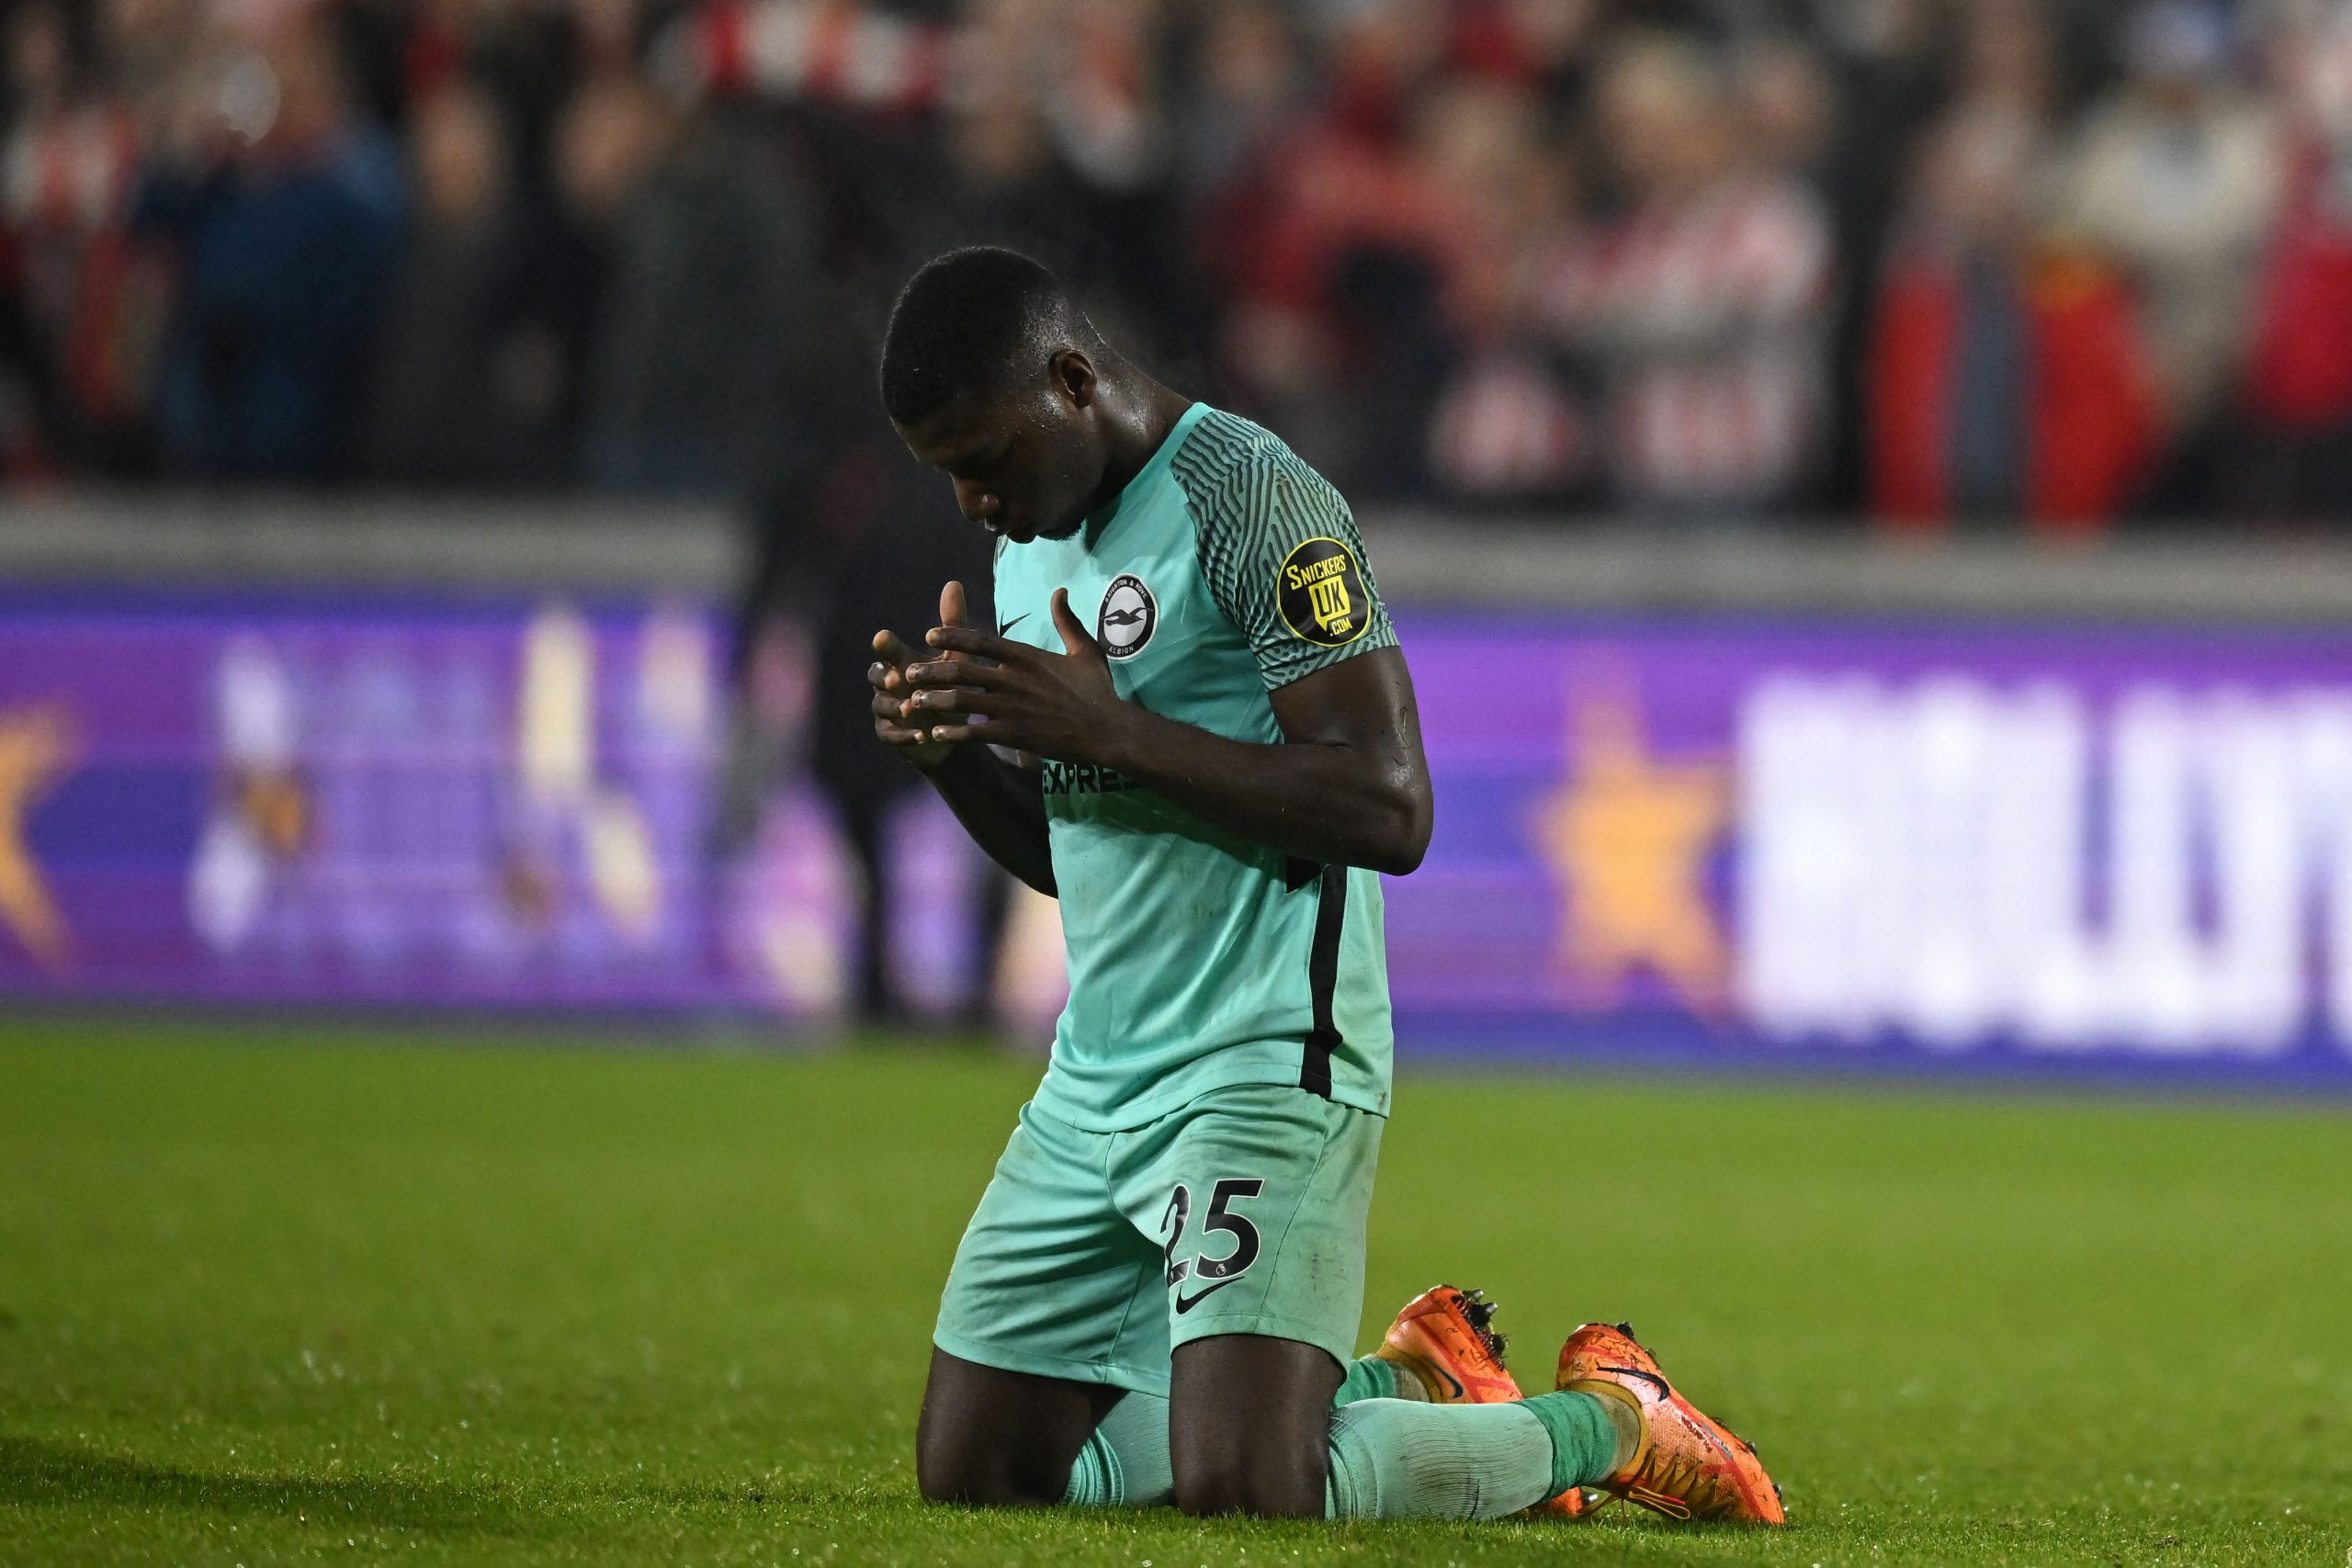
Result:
1684,1479
1657,1502
1667,1487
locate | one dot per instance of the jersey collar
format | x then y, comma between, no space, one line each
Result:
1100,520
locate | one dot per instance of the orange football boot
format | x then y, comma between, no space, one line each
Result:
1445,1340
1689,1465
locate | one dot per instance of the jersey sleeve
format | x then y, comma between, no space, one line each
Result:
1285,564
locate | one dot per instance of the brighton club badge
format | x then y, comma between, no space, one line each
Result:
1128,618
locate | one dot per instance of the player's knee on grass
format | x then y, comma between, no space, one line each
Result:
993,1438
1282,1484
1249,1423
974,1475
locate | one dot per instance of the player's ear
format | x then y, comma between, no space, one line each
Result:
1074,374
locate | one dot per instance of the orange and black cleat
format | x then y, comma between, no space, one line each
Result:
1446,1341
1689,1465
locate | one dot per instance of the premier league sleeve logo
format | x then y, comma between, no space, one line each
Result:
1321,595
1128,618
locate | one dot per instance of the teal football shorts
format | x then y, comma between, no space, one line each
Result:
1093,1255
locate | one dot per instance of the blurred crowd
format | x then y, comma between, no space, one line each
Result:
1700,264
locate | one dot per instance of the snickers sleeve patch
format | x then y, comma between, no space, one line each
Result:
1320,594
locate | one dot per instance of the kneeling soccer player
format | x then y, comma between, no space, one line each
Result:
1193,726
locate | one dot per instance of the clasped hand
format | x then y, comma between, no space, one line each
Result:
983,686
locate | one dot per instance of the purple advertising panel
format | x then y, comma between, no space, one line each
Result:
327,803
1972,845
1704,840
419,803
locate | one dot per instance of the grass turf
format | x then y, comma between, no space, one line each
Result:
396,1300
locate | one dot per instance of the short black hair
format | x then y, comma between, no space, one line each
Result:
966,322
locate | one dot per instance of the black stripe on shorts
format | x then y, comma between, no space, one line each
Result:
1322,979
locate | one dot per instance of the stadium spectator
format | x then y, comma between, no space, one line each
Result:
470,384
1250,79
1786,105
81,297
1005,179
2177,179
1702,308
1510,425
283,211
2005,376
2299,394
1546,46
1885,62
525,57
707,287
1338,254
854,56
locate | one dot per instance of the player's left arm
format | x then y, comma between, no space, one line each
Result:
1348,786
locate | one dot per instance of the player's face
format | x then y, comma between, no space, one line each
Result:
1024,466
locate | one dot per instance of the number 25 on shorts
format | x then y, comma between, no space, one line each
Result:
1218,1271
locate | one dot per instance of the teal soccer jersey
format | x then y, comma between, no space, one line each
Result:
1198,961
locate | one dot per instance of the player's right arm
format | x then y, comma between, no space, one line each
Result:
997,801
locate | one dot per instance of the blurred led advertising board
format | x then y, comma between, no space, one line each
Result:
1927,845
325,802
1936,847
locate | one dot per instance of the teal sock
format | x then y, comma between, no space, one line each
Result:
1584,1437
1390,1459
1124,1462
1374,1377
1393,1458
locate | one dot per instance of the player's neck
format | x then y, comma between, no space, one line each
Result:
1138,412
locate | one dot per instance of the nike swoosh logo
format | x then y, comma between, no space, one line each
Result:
1004,626
1186,1303
1459,1391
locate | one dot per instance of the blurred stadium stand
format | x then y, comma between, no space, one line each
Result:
1901,259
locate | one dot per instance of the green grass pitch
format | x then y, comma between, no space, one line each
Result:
384,1299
